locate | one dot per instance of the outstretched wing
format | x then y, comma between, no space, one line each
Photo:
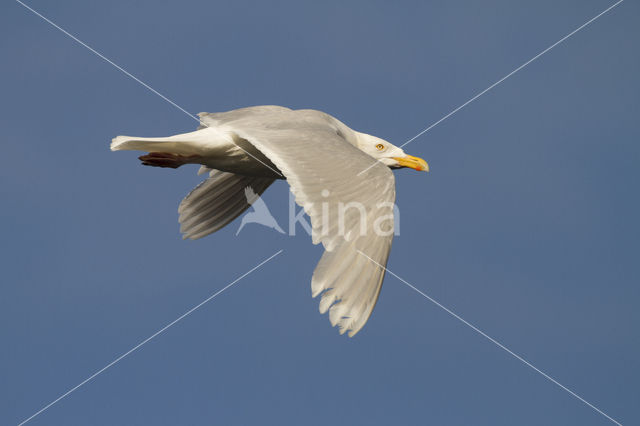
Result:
351,214
217,201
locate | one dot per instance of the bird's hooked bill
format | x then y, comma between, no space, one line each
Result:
412,162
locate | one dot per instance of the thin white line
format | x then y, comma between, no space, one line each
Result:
503,79
500,345
512,72
149,338
128,74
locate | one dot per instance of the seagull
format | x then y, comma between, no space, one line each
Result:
342,179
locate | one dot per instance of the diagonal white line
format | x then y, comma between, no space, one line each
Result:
503,78
118,67
128,74
136,347
512,72
494,341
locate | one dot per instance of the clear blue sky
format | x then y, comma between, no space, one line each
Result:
527,225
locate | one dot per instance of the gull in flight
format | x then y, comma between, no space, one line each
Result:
340,177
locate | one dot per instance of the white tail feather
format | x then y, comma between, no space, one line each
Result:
192,143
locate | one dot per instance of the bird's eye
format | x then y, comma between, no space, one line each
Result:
379,147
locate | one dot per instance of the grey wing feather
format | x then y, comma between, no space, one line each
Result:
216,202
209,119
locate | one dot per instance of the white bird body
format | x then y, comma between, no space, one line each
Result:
216,148
327,165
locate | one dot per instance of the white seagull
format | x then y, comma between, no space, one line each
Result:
340,177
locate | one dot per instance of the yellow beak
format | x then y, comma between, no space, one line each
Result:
412,162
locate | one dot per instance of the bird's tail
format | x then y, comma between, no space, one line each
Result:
192,143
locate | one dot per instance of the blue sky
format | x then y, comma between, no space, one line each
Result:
527,225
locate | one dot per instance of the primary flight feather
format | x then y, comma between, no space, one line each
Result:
340,177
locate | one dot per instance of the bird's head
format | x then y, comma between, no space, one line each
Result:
389,154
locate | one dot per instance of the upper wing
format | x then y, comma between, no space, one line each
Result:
212,119
349,212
